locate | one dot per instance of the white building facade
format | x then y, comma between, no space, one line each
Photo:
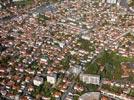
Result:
90,79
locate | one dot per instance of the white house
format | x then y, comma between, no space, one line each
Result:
61,44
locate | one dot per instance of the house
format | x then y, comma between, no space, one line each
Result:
3,92
61,44
63,87
90,79
104,98
2,70
16,97
85,37
69,97
44,59
72,52
45,98
78,88
51,78
38,81
10,95
127,68
57,94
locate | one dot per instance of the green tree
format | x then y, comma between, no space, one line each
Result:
92,68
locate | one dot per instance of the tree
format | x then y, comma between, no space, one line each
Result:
131,93
112,67
65,61
92,68
131,2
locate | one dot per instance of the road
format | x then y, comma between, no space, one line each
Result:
68,90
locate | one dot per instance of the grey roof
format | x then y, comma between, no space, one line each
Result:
44,8
124,3
90,96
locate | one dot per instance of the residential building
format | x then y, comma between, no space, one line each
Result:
76,69
90,79
51,78
110,1
38,81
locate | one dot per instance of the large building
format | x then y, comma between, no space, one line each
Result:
90,79
110,1
51,78
123,3
90,96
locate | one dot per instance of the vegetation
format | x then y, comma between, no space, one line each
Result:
65,61
111,62
92,68
43,89
131,93
4,60
86,45
91,87
42,19
131,77
47,0
131,2
24,3
129,35
75,97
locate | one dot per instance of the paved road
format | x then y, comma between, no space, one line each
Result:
68,90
